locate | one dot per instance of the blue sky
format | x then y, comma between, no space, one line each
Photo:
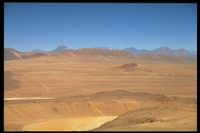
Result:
45,26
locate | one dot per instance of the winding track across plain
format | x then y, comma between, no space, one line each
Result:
47,88
45,94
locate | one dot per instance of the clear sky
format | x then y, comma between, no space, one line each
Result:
45,26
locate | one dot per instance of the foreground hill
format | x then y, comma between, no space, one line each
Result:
155,110
131,109
151,119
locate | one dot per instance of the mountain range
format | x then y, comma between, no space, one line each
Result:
161,50
159,54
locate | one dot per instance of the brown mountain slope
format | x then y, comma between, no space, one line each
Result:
35,55
174,113
12,54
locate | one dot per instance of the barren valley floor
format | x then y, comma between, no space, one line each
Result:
82,93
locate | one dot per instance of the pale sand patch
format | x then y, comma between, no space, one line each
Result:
27,98
71,124
184,96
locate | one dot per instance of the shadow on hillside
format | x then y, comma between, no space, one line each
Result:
9,83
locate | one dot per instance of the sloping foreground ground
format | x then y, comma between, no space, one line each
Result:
86,112
168,118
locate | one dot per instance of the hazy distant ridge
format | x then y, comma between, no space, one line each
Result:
38,51
59,49
163,50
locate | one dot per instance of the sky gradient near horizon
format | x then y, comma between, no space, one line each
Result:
45,26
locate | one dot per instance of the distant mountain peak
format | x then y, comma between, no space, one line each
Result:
62,46
60,49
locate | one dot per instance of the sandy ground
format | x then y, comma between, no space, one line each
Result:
42,79
76,76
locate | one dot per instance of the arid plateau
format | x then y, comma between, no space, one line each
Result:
81,92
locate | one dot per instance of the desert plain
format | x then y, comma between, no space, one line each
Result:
83,93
